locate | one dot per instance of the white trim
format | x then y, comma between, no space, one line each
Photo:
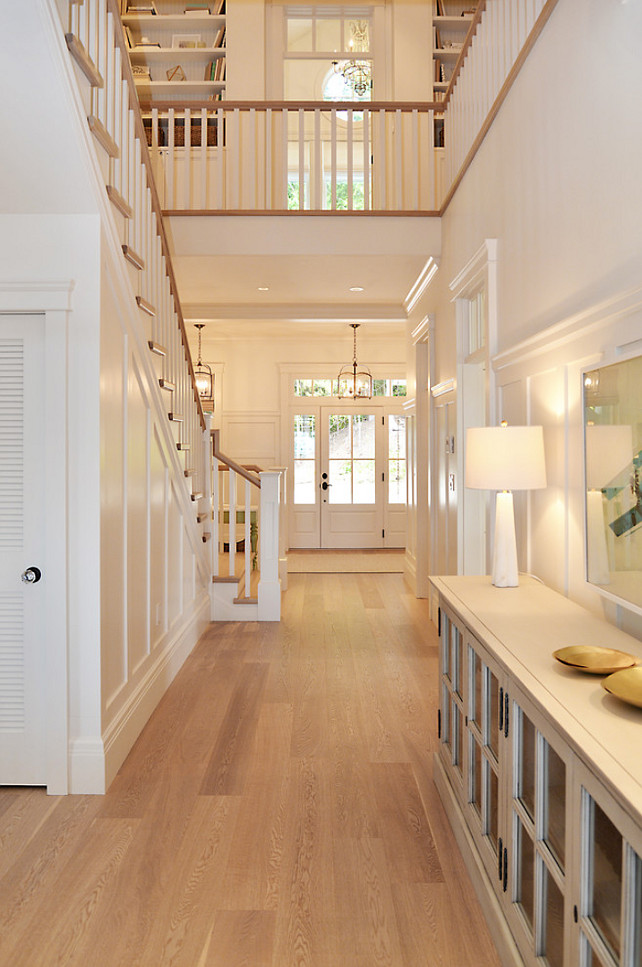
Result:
473,272
421,284
421,333
31,297
297,312
127,725
446,386
599,315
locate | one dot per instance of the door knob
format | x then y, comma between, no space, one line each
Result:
325,485
32,575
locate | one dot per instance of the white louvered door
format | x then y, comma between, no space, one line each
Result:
22,525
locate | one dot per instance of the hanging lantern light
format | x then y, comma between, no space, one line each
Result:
202,372
354,382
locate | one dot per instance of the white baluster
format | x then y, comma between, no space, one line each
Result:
248,536
232,521
301,159
350,158
366,160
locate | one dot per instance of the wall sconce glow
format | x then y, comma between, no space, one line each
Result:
505,458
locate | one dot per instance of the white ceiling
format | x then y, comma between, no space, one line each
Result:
307,266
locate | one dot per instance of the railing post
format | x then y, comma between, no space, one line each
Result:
269,583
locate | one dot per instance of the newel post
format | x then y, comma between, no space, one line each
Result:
269,584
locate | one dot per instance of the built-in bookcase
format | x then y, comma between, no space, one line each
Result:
176,49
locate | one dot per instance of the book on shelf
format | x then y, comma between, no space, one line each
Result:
439,6
437,38
146,44
219,70
193,8
219,8
219,40
197,12
128,36
149,7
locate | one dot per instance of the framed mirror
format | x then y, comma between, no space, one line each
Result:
613,461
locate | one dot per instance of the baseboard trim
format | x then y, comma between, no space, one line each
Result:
95,762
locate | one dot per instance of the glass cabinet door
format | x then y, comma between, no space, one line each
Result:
538,876
483,784
610,916
452,676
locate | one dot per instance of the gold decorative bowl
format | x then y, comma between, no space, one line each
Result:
626,684
595,660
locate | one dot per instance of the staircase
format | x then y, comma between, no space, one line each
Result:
96,42
248,512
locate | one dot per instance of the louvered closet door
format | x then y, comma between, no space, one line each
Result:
22,652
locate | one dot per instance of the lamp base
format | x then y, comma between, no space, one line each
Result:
505,552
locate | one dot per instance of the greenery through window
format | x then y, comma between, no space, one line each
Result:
328,387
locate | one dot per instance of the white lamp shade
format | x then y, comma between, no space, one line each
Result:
505,458
609,451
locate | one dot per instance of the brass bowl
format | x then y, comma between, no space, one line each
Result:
626,684
595,660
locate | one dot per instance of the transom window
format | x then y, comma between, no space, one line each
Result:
328,387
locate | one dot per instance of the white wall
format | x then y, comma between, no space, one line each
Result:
251,416
557,182
153,564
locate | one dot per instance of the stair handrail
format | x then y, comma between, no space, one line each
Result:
244,472
113,7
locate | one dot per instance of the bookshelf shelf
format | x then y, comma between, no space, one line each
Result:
192,43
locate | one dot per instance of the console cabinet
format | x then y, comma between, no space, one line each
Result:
540,770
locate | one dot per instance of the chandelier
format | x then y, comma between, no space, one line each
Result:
354,383
202,372
357,74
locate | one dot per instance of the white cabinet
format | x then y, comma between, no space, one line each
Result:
541,775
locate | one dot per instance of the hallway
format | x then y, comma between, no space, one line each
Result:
278,809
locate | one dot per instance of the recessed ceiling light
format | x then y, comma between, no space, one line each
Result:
356,288
263,288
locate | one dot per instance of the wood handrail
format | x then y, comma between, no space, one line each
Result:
213,106
232,464
114,8
474,23
247,466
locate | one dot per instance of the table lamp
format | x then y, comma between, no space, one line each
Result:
505,458
609,452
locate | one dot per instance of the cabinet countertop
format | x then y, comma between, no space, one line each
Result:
522,627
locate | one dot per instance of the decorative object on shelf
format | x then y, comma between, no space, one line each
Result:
148,8
202,372
505,458
626,685
357,74
141,72
354,382
176,73
187,41
594,659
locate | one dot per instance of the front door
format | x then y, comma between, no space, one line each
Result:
348,477
22,426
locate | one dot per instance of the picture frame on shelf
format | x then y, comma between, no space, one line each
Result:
187,41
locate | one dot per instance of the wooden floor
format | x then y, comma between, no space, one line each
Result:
277,811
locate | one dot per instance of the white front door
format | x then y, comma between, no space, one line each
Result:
348,477
352,471
22,483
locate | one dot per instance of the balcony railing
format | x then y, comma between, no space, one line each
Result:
287,156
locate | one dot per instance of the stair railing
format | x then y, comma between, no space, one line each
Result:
261,527
96,41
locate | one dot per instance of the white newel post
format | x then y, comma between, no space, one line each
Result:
269,584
